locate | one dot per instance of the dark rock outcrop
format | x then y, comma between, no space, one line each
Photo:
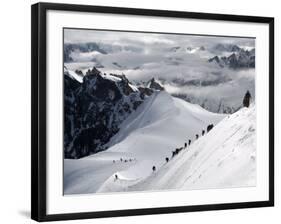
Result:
94,109
153,84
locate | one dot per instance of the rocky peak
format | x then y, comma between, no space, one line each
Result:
241,59
216,59
93,72
153,84
95,109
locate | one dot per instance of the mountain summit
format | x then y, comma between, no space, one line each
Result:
153,84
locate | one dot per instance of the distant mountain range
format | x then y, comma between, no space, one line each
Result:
217,63
225,48
225,55
239,58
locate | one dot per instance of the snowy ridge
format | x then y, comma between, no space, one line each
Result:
225,157
73,75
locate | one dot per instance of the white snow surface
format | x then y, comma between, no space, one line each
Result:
224,157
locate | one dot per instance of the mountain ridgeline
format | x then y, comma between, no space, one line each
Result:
239,59
94,109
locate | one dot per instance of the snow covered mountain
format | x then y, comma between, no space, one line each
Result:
145,138
95,105
224,157
239,59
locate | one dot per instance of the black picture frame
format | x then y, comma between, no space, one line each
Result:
39,107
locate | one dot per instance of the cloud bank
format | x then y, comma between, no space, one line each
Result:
179,61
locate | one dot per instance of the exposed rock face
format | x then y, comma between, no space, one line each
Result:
145,91
94,109
215,59
71,87
153,84
79,72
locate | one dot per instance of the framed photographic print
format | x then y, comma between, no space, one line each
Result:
139,111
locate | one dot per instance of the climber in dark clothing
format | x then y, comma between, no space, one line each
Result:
203,132
209,127
247,99
173,153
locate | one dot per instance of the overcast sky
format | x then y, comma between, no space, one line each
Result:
133,38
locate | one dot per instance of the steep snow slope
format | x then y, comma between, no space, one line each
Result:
163,121
158,126
225,157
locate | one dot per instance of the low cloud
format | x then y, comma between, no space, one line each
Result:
141,56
